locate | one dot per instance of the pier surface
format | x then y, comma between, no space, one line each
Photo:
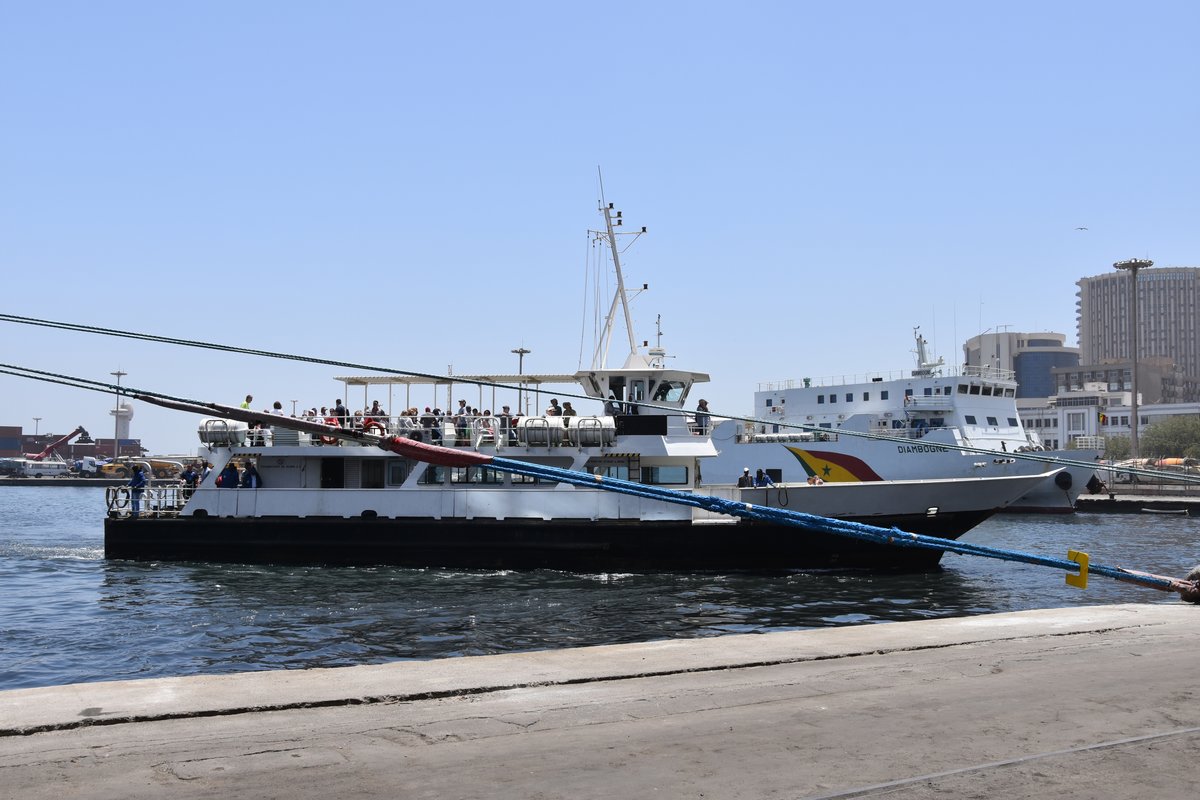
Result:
1068,703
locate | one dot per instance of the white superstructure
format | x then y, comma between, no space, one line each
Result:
931,423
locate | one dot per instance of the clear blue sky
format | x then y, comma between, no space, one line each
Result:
411,184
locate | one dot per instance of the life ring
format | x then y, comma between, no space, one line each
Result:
119,497
375,428
332,422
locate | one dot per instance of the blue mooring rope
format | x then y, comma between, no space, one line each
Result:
856,530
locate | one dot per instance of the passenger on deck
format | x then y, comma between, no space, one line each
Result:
762,479
462,422
376,412
611,406
506,425
229,477
341,413
189,476
568,411
427,423
246,403
250,477
553,410
702,418
747,480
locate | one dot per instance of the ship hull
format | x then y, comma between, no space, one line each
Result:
586,546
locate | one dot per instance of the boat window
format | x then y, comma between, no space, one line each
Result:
434,475
974,388
849,397
897,423
333,473
1012,421
883,395
670,392
866,396
908,392
928,392
661,476
475,475
397,472
992,421
769,402
620,471
833,398
962,388
987,391
825,425
371,476
970,418
1010,392
937,422
820,399
524,479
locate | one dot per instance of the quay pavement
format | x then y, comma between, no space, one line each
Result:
1084,702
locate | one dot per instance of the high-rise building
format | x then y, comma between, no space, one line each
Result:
1029,356
1168,317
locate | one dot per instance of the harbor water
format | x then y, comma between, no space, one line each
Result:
68,615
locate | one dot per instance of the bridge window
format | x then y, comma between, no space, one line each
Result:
663,476
970,418
883,395
670,392
992,421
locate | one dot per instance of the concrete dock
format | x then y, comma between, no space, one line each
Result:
1065,703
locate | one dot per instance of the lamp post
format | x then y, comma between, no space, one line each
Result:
117,414
36,421
521,352
1132,266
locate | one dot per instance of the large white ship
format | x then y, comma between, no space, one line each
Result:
930,423
323,497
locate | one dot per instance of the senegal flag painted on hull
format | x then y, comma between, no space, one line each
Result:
834,466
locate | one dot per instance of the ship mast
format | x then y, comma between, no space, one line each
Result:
925,367
600,358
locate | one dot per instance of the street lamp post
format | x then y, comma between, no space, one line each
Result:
117,414
521,352
36,422
1132,266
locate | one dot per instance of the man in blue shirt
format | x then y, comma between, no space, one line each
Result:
137,486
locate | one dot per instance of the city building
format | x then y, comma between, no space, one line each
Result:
1167,317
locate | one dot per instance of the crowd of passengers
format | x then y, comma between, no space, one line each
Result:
434,421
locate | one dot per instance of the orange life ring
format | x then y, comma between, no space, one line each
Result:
333,422
375,428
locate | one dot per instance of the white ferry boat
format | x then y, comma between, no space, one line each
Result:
337,496
924,425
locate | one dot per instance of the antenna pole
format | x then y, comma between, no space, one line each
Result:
601,355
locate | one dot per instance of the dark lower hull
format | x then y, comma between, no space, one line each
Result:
583,545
